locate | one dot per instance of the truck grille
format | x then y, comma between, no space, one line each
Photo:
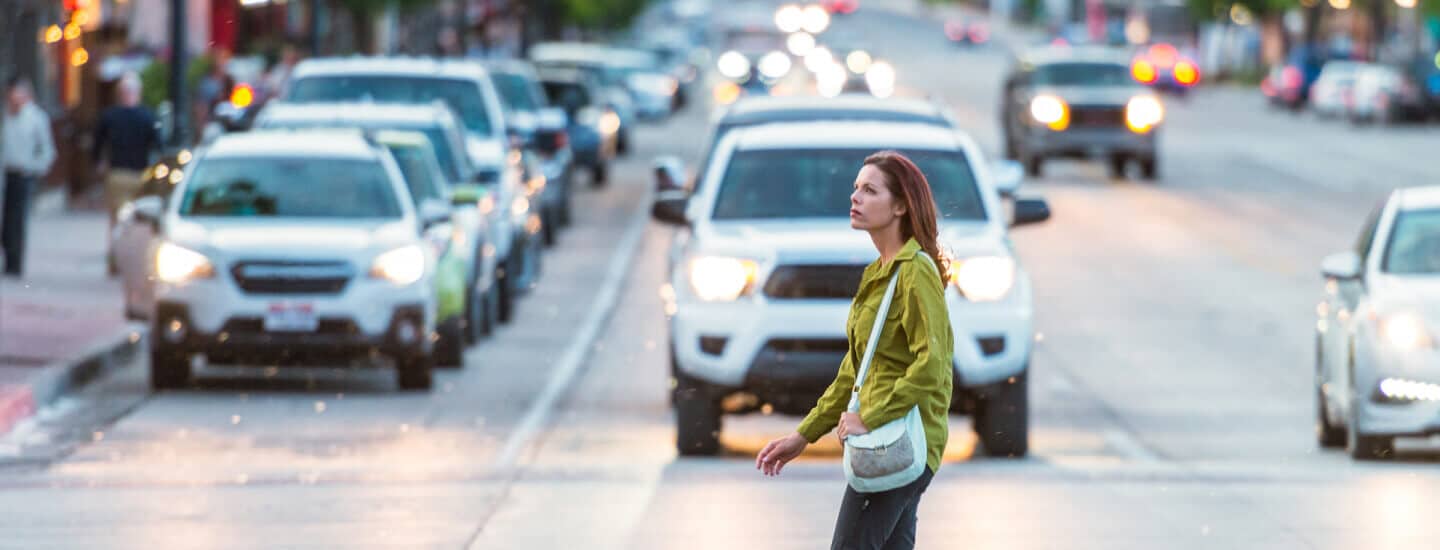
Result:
814,282
1097,116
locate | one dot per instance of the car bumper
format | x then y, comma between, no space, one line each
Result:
1089,142
795,347
1379,414
214,316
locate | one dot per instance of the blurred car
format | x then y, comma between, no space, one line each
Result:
449,242
158,180
1163,67
477,211
762,275
967,31
743,50
1377,366
679,55
1077,102
1387,94
542,129
651,96
1334,89
594,129
287,248
841,7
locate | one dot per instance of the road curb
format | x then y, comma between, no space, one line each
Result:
58,378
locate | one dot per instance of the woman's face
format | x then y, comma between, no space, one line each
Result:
872,207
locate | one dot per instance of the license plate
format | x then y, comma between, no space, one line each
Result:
291,317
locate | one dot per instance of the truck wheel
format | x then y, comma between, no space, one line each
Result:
697,418
413,372
1002,420
169,369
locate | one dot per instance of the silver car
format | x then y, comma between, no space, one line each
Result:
1377,366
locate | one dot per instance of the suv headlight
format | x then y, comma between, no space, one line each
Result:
984,278
1405,332
1050,111
720,279
1143,113
401,266
177,264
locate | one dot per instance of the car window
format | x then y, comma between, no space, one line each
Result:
570,96
788,183
463,96
1081,74
1367,235
1414,245
440,140
311,187
515,92
415,165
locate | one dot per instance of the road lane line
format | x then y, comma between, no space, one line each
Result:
569,365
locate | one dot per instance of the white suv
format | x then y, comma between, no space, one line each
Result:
763,273
289,247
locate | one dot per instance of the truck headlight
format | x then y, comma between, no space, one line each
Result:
984,278
1405,332
402,266
177,264
1050,111
719,279
1143,113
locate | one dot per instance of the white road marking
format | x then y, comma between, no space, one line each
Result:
569,365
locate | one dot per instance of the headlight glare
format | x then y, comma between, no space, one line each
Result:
1143,113
402,266
1050,111
718,279
984,278
1405,331
177,264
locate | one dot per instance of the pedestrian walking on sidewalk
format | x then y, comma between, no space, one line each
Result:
26,155
910,365
126,139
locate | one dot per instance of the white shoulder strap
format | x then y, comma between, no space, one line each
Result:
874,338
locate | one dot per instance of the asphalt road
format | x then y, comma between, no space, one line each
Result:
1172,393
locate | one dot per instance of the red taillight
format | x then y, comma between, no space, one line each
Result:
1186,73
979,34
1143,71
1291,78
561,140
954,31
242,96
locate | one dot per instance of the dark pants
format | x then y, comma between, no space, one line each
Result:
879,521
12,220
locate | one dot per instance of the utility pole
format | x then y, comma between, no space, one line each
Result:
314,28
179,62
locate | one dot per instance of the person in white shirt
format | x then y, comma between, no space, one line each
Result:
26,153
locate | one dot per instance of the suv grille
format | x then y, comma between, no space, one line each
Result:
292,277
811,282
1097,116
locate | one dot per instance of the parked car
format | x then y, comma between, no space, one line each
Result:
1386,94
1334,90
761,276
541,128
288,248
1377,377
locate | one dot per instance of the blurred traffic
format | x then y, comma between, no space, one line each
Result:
622,234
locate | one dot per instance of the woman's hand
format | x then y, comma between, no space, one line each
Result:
850,424
778,452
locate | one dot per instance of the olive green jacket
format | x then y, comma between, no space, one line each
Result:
911,367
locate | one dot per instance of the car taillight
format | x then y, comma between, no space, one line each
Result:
954,31
1291,77
1143,71
979,34
561,140
1186,73
242,96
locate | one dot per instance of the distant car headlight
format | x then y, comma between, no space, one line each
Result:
1050,111
1405,331
402,266
177,264
881,79
609,123
775,65
984,278
721,279
1143,113
733,64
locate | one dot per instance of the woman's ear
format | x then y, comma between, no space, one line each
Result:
899,209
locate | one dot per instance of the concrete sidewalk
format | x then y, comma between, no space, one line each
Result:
62,323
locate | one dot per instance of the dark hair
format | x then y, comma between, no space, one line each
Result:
906,182
18,81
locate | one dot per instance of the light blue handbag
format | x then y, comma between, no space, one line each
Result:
893,455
